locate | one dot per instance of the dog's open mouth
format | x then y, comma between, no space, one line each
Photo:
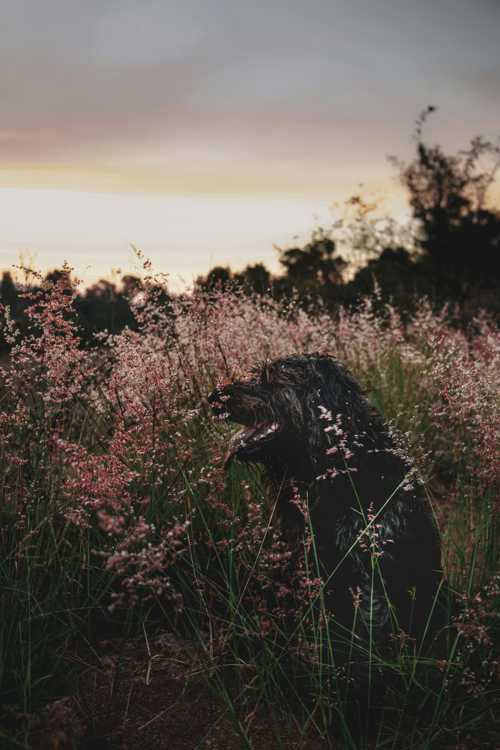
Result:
257,429
246,441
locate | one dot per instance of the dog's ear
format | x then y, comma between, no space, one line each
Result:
313,400
337,387
339,394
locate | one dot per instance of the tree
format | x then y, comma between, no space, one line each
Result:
9,295
315,268
131,285
254,279
449,197
218,278
103,308
395,277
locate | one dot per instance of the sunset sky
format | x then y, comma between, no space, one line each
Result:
204,131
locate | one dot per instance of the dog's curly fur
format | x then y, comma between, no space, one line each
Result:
377,543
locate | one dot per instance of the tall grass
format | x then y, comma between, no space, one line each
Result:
116,511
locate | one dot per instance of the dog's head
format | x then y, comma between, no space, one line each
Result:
285,406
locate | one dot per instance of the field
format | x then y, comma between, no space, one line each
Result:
144,590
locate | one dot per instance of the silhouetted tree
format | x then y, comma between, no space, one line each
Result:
219,277
103,308
254,279
395,277
131,285
58,275
448,195
9,295
314,269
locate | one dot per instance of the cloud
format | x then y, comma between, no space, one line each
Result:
212,85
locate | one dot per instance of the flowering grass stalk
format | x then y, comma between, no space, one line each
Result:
116,508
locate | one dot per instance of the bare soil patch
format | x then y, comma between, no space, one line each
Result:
131,697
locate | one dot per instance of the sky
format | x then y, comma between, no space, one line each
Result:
207,131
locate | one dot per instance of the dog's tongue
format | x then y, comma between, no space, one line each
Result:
235,443
238,440
246,435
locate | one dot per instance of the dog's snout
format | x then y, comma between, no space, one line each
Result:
218,400
214,397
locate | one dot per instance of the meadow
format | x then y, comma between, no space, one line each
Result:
128,552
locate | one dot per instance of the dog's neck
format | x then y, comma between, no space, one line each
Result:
367,480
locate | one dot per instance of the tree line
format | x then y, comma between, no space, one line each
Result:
452,255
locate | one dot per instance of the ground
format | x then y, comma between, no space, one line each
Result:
129,698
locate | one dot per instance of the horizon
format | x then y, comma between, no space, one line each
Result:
227,228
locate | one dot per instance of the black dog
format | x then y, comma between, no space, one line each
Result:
306,420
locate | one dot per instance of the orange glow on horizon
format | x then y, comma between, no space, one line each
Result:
244,182
186,222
